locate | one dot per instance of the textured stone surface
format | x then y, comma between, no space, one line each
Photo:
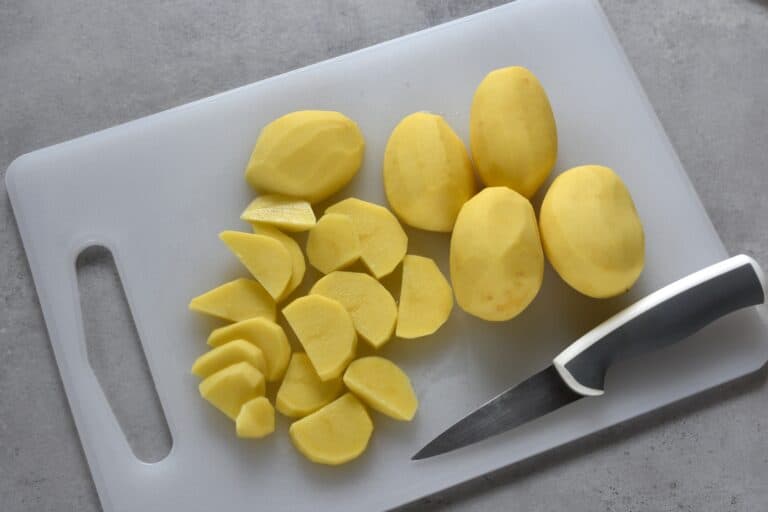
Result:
70,67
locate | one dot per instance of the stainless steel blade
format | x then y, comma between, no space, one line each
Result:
538,395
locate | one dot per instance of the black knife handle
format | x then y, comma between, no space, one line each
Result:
662,318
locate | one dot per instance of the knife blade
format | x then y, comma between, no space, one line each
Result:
662,318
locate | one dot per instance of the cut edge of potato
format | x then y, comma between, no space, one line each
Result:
334,434
266,259
284,212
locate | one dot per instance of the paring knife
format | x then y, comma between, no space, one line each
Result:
662,318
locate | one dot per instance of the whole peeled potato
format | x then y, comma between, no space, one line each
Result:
591,232
309,154
496,260
512,131
427,172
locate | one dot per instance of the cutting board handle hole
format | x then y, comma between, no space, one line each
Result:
117,358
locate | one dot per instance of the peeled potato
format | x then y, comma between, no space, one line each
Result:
371,306
426,299
496,259
298,266
302,392
230,388
427,172
591,232
256,419
512,131
284,212
335,434
383,386
264,257
236,300
383,242
228,354
266,335
325,330
333,243
309,154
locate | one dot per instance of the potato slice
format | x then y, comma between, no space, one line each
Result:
264,257
302,392
591,232
284,212
371,306
326,332
298,266
228,354
309,154
383,242
427,172
333,243
266,335
230,388
335,434
236,300
497,263
383,386
426,299
256,419
512,131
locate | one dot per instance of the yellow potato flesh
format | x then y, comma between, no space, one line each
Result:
383,242
228,354
512,131
264,257
325,330
496,259
335,434
371,306
298,266
236,300
284,212
426,299
230,388
333,243
383,386
427,172
266,335
308,154
591,231
256,419
302,392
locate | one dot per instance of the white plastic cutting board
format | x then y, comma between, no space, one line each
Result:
158,190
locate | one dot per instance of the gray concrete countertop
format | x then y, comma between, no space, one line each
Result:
71,67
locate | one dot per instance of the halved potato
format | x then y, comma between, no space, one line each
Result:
383,386
333,243
335,434
371,306
256,419
236,300
228,354
230,388
325,330
302,392
298,266
427,172
426,299
309,154
264,257
285,212
266,335
383,242
497,263
591,232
